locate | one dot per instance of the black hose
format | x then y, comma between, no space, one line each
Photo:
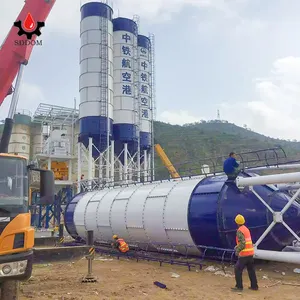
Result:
6,134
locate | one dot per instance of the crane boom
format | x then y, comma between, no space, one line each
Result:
165,160
15,53
12,54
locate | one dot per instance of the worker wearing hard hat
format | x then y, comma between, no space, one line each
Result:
231,166
245,251
120,244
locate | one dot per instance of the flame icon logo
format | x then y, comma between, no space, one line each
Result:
29,23
29,27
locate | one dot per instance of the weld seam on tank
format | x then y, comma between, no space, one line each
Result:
164,210
219,215
110,210
97,212
135,227
188,212
177,229
85,210
143,214
126,211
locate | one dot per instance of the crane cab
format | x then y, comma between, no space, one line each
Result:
16,233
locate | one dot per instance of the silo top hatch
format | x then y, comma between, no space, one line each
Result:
124,24
144,41
96,9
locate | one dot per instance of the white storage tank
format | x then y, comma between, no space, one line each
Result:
20,137
36,139
96,75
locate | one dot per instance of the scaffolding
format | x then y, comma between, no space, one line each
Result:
104,99
50,215
136,19
135,160
55,115
153,101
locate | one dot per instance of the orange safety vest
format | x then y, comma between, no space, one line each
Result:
249,250
123,247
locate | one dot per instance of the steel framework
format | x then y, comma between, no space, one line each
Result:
50,215
277,215
55,115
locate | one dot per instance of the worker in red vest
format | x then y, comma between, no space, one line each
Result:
120,244
245,251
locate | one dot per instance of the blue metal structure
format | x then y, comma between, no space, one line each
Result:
96,75
214,204
43,216
69,216
197,213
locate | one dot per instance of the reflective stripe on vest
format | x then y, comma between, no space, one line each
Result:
123,246
249,250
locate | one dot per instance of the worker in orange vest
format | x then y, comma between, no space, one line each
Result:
245,251
120,244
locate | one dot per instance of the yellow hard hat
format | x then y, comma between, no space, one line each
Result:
240,220
115,236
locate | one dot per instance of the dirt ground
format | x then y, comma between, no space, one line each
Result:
127,279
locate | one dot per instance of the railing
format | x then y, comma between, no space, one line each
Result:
265,159
25,112
57,147
250,159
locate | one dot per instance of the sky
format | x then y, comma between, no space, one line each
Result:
241,57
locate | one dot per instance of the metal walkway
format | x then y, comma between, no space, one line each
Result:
165,256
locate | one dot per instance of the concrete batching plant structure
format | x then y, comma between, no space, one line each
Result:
113,109
115,132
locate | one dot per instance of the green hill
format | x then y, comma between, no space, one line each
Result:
191,145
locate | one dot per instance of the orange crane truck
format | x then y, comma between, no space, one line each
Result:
16,234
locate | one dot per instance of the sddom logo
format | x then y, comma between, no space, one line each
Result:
29,28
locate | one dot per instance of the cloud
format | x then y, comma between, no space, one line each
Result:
177,117
275,111
65,15
161,9
30,96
